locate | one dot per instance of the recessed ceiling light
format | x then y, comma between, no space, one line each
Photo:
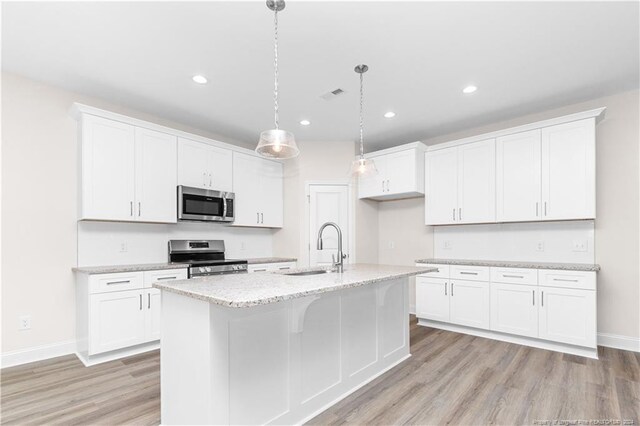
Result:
305,122
200,79
389,114
469,89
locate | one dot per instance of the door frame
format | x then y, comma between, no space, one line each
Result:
351,217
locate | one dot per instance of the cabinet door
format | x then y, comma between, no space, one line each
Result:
246,186
108,153
401,172
518,184
469,303
271,197
152,314
156,176
432,299
568,316
441,186
220,169
116,321
374,186
568,171
477,182
514,309
194,162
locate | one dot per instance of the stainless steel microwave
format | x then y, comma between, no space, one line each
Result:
203,205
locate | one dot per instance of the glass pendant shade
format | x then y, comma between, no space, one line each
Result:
363,168
277,143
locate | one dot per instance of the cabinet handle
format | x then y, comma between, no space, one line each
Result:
131,208
387,185
445,289
468,273
139,209
382,186
565,280
167,278
140,301
257,217
512,276
545,209
210,180
259,270
454,214
204,179
261,217
452,289
118,282
533,297
536,209
148,300
284,267
542,298
459,213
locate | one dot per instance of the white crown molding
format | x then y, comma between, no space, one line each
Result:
419,145
616,341
37,353
597,113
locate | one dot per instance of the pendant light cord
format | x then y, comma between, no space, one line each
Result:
361,119
275,66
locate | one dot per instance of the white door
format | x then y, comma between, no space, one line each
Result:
514,309
116,320
271,204
568,171
518,184
441,186
477,182
246,188
152,314
328,203
193,164
401,172
220,169
156,176
108,165
469,303
374,185
568,316
432,299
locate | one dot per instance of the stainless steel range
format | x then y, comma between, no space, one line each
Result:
205,257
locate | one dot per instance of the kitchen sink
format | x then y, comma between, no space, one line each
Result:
304,273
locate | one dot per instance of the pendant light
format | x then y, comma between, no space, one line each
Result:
362,167
276,143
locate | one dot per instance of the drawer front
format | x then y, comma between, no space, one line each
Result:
271,267
103,283
470,273
568,279
514,276
151,277
442,272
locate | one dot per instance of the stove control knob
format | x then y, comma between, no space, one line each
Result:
206,269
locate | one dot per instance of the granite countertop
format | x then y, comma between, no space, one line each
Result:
587,267
246,290
109,269
261,260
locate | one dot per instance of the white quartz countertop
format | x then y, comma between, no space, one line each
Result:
111,269
246,290
588,267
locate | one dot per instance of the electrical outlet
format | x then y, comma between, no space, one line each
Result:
540,246
24,322
446,245
243,247
123,247
392,245
579,245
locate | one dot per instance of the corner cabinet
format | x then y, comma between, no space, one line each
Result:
258,187
400,173
127,173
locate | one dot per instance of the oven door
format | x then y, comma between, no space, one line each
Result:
195,204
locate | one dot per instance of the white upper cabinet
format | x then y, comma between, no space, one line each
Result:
568,171
107,169
257,184
155,176
400,173
128,173
460,184
518,184
204,166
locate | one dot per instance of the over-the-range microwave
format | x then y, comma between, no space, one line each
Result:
204,205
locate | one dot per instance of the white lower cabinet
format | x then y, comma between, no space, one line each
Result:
432,298
514,309
270,267
568,316
469,303
152,317
116,321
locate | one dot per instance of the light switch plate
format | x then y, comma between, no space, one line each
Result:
580,245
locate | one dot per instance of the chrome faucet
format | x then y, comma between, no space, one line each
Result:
339,265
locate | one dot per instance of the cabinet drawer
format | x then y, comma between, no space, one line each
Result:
514,276
584,280
151,277
103,283
471,273
442,272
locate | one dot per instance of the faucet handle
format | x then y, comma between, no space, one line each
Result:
344,256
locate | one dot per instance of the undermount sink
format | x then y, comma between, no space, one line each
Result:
300,274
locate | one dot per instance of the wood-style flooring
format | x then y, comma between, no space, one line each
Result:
451,379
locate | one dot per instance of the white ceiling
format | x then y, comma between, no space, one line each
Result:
524,57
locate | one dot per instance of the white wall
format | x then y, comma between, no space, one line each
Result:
617,227
39,205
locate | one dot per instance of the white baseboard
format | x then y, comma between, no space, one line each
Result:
619,342
37,353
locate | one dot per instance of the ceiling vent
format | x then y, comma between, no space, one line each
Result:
333,94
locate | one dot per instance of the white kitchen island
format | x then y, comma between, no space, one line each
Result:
274,348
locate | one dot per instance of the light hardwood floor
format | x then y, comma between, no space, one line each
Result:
450,379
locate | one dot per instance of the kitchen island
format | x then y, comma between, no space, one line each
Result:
278,347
